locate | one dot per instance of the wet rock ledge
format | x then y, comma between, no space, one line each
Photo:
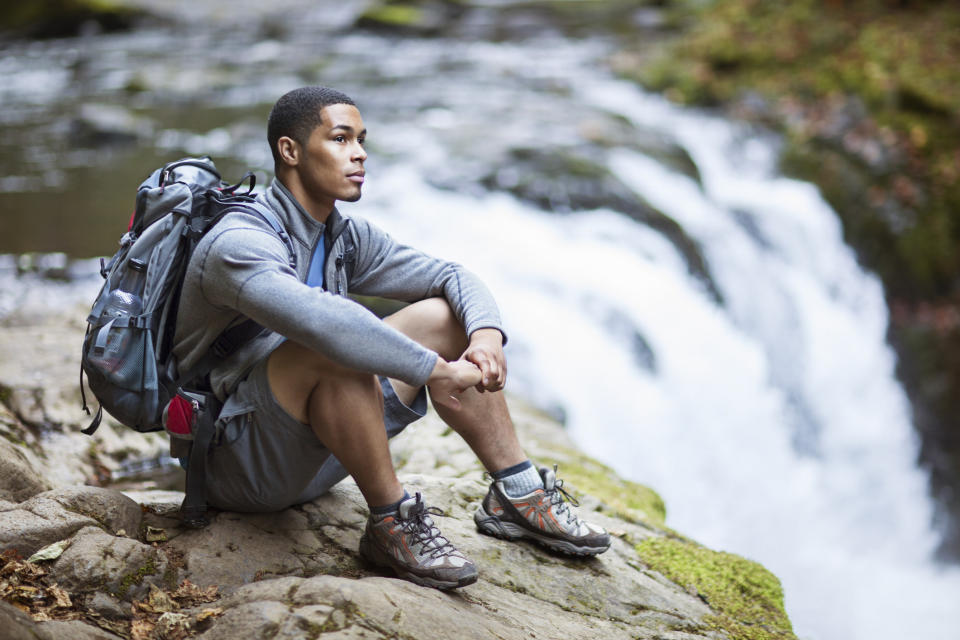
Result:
82,561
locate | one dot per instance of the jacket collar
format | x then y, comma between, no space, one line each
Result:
301,226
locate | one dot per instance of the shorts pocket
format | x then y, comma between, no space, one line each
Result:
233,420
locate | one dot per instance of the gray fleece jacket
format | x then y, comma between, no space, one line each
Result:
241,269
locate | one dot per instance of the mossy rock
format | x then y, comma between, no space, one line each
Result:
899,62
391,15
136,578
65,18
410,17
570,179
625,499
747,599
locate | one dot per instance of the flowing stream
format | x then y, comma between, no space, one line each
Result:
753,389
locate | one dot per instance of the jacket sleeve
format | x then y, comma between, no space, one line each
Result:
389,269
246,269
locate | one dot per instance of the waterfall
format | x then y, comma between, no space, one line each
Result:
771,423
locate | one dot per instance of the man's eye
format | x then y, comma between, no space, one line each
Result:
362,141
340,139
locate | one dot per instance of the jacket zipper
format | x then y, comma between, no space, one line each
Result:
338,265
338,262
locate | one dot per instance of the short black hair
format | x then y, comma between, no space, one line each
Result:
297,113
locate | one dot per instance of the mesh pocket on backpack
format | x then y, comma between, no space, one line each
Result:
121,372
119,353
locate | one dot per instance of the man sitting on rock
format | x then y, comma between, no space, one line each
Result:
319,394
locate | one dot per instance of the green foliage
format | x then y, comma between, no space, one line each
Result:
747,599
899,60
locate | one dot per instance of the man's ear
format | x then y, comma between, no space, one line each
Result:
289,151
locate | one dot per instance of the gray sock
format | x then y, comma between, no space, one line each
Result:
522,482
383,510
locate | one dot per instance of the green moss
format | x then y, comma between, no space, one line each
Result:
510,585
291,593
627,500
136,84
747,599
349,613
391,15
12,439
148,569
312,629
491,554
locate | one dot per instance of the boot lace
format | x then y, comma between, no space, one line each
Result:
559,497
422,531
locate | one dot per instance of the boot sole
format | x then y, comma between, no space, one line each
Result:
494,526
375,556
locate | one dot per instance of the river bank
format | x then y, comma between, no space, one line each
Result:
865,95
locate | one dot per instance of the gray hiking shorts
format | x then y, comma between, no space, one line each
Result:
262,459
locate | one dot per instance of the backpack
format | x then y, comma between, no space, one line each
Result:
127,349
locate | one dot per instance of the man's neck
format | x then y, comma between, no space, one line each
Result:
319,210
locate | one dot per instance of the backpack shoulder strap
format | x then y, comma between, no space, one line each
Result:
228,342
267,214
194,505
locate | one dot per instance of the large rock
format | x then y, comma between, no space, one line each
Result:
72,629
17,625
383,608
55,515
522,590
111,509
18,478
98,561
131,566
27,532
236,549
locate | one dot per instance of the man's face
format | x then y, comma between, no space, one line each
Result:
331,162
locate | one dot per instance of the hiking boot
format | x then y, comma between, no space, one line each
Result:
408,542
543,516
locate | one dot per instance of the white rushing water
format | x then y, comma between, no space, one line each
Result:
772,424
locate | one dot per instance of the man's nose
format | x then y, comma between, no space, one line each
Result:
359,153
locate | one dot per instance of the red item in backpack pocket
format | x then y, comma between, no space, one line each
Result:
179,416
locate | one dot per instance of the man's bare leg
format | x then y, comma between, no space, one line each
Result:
540,514
344,408
483,420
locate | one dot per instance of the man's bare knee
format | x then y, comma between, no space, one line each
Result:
433,324
336,399
296,373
